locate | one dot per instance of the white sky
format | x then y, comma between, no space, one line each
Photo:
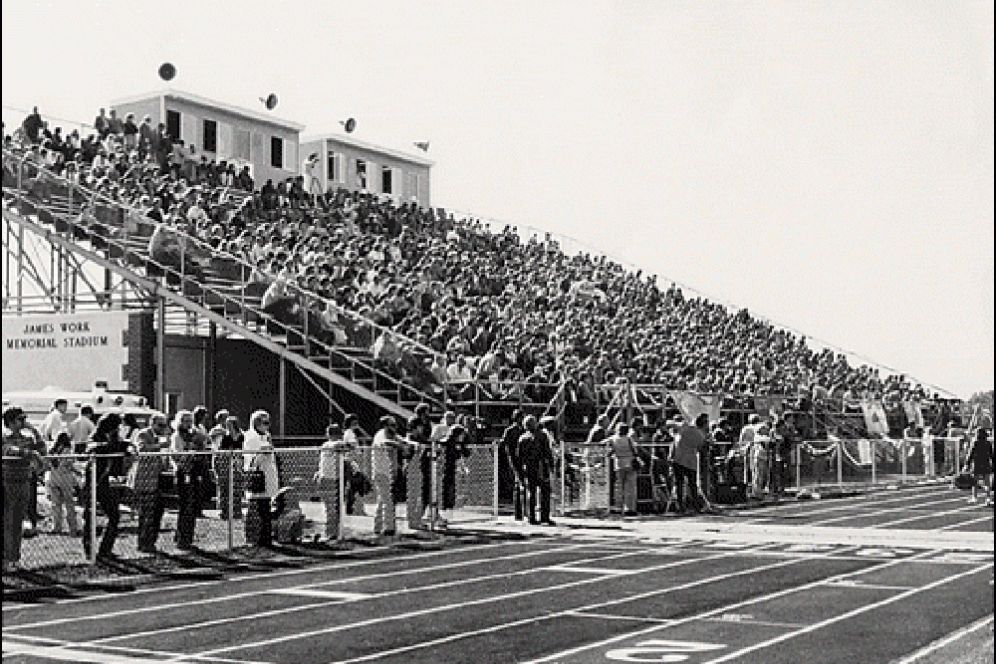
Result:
827,165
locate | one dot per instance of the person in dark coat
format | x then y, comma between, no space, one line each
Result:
107,464
452,448
536,464
980,458
509,446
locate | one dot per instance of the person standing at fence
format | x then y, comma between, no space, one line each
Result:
979,458
106,466
189,446
536,458
759,456
626,460
226,440
19,457
691,440
328,477
453,449
419,466
384,457
82,427
145,479
62,485
509,446
262,479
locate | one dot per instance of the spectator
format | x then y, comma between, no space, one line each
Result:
227,440
509,446
262,479
33,125
328,477
386,444
691,440
81,428
21,461
627,465
54,422
62,485
145,479
188,446
107,468
979,457
537,463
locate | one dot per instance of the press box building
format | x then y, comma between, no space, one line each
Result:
342,162
221,132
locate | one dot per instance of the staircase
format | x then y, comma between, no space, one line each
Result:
205,288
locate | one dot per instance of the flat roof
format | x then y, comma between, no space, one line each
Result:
349,140
212,103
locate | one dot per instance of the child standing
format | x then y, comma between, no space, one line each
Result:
61,485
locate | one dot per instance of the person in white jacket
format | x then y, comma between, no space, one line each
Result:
262,479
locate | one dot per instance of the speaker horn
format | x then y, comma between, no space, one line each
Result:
270,101
422,145
349,125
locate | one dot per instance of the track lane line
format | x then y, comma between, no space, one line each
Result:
318,605
250,575
456,606
244,595
848,614
947,640
730,607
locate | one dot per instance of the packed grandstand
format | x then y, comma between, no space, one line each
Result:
453,299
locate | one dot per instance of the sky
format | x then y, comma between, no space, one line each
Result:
826,165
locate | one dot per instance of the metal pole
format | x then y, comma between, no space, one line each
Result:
231,498
161,355
840,463
874,454
93,509
341,488
494,479
283,397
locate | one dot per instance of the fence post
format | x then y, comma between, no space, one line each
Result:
341,488
903,450
494,478
874,455
840,463
93,510
231,499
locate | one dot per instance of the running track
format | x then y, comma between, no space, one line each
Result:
902,576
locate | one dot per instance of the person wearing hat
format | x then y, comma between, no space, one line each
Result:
536,460
20,463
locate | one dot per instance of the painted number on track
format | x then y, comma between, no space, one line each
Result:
661,650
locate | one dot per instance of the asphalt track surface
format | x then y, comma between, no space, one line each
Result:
903,577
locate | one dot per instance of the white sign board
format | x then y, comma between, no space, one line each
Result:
70,351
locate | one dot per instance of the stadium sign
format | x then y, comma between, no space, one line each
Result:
71,350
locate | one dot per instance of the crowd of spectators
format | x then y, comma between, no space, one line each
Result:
454,300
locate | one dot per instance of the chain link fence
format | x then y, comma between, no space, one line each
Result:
224,501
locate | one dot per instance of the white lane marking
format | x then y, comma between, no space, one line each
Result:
585,609
736,606
67,651
605,571
457,606
241,596
320,594
166,589
310,607
947,640
844,616
878,511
